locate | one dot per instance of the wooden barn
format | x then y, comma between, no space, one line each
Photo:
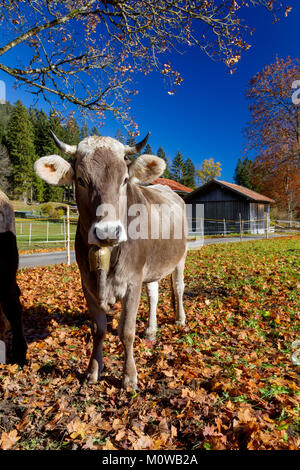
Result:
229,208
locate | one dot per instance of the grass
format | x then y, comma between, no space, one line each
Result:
38,237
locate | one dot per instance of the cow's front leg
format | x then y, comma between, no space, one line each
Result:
98,328
126,330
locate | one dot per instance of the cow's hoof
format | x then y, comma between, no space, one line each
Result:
19,354
129,384
19,359
180,322
90,379
150,334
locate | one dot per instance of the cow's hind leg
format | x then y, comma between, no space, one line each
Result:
12,309
178,289
10,294
3,325
152,292
126,330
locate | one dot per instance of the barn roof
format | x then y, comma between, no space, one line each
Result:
173,185
241,190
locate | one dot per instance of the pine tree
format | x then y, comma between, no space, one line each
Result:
161,154
56,126
72,132
244,172
2,133
94,131
72,137
54,193
189,174
131,142
84,132
41,135
177,169
5,113
20,144
5,169
120,137
43,141
148,150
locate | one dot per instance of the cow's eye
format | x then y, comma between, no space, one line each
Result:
80,181
125,181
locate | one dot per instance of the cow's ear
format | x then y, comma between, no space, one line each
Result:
146,168
54,170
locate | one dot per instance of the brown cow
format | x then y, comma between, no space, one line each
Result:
108,182
10,307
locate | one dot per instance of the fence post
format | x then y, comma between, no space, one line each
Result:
29,240
241,234
267,228
47,231
224,227
68,235
65,242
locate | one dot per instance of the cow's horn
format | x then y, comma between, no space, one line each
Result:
137,147
65,148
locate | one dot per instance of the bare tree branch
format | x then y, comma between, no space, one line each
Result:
86,52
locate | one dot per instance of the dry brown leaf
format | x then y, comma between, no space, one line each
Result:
245,414
8,440
144,442
108,445
120,435
76,428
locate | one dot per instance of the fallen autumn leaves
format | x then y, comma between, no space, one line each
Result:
225,381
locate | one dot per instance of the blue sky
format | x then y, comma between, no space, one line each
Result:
207,115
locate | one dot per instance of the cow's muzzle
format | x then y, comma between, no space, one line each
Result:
107,233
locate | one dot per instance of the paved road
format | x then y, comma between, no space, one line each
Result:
44,259
57,257
249,238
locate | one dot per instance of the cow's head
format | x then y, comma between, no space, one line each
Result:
102,173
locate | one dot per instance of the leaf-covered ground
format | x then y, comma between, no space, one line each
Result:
225,381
